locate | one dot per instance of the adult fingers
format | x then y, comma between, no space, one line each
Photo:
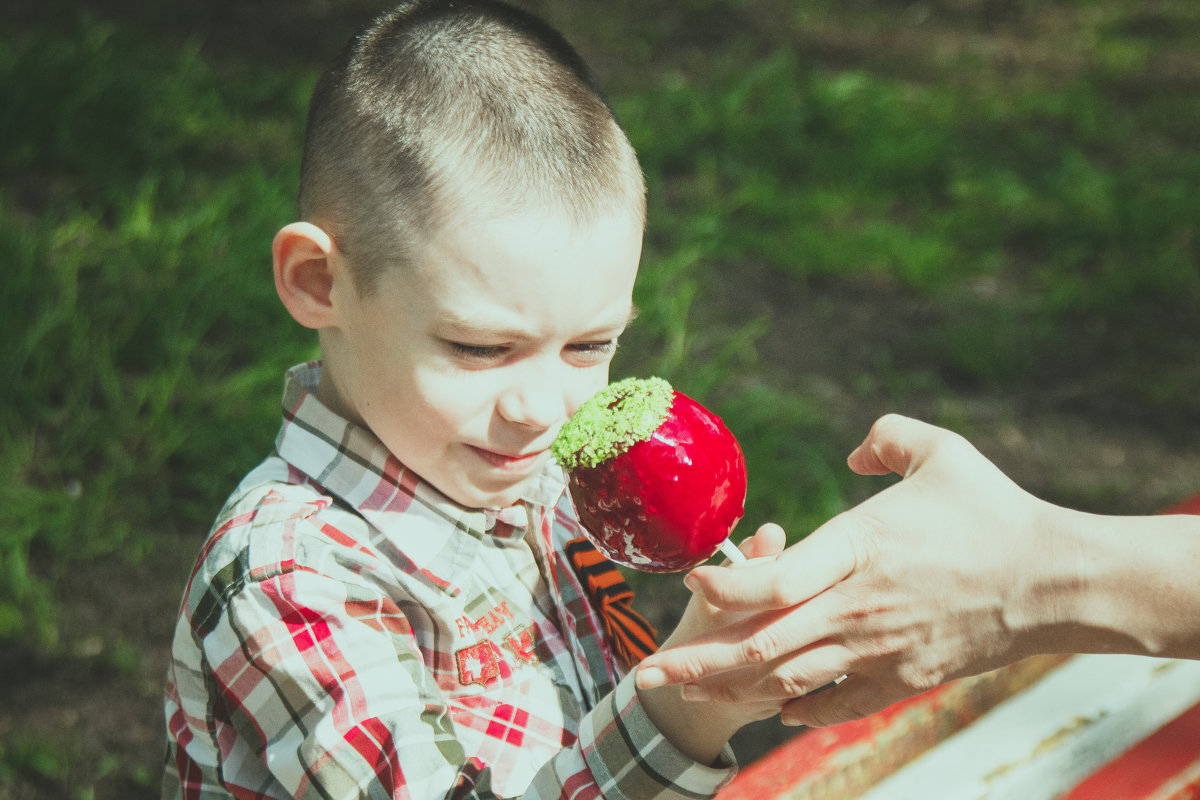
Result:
802,571
854,698
797,674
757,641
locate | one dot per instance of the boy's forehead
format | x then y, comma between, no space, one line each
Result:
467,194
477,227
496,273
452,321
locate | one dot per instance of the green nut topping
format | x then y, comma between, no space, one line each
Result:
613,420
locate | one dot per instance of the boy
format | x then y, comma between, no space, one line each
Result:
387,606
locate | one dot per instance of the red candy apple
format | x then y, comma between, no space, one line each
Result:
658,480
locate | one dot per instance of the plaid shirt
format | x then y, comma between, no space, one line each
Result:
350,632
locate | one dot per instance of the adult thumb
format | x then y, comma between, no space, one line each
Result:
896,444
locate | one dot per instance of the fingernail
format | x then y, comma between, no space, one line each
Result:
650,678
789,720
691,583
695,692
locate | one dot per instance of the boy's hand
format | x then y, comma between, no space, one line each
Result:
697,725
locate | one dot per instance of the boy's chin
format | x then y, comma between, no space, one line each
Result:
480,498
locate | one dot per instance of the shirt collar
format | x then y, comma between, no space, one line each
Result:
439,536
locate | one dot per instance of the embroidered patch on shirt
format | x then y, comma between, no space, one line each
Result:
480,663
523,644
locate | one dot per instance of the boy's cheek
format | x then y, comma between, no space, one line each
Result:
594,379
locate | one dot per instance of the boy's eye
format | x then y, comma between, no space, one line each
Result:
594,350
485,354
481,353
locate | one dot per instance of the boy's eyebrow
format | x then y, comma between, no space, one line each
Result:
455,325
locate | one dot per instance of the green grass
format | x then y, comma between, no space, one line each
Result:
45,761
143,340
839,173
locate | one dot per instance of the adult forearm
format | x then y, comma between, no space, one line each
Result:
1135,588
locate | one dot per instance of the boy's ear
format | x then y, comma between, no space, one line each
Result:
304,257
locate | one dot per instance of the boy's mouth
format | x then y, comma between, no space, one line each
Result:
509,462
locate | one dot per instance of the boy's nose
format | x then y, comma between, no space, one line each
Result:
538,401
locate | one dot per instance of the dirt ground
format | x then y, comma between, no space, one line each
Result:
1067,431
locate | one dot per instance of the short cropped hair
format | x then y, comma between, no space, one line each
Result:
439,103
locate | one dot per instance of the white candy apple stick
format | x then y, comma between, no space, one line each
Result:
732,552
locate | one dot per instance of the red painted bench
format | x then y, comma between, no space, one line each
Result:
1050,727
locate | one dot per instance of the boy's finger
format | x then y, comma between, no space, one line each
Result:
767,542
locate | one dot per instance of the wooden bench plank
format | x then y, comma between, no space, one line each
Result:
1165,766
845,760
1043,741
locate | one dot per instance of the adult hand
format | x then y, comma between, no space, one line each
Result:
947,573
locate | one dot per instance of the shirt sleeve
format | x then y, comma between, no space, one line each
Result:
621,754
320,691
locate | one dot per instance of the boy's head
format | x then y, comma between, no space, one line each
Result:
471,227
439,110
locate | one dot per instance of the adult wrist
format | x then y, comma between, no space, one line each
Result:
1108,575
1142,597
1056,598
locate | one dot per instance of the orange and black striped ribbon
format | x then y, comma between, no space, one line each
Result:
632,638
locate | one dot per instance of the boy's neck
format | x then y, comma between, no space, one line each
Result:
332,398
